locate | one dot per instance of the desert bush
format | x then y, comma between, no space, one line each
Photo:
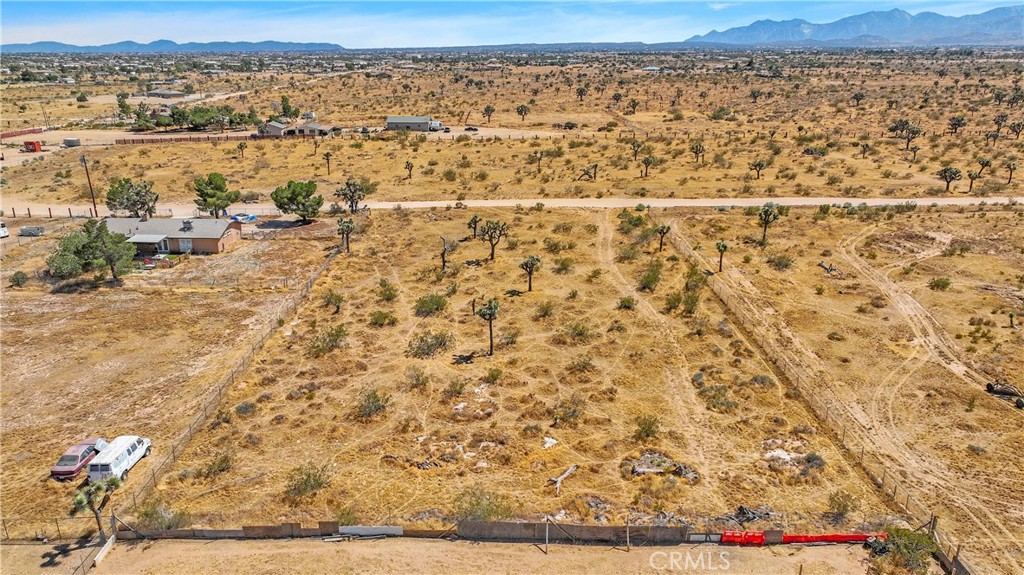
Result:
691,300
673,301
454,389
651,275
627,303
762,380
563,266
306,480
780,262
216,466
477,503
568,412
492,376
716,397
429,305
939,284
370,402
245,408
909,549
346,516
578,332
19,279
841,504
416,377
428,343
327,340
582,364
811,463
381,318
545,309
153,516
387,291
646,427
507,337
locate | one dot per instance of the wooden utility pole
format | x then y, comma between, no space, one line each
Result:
85,163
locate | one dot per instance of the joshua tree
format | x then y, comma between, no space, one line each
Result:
999,120
354,192
1010,167
698,149
972,175
522,110
636,146
1016,128
345,229
899,126
910,134
408,168
949,174
473,223
617,97
864,149
955,123
984,163
768,214
857,98
662,231
492,232
648,161
316,145
327,158
755,94
758,166
722,247
581,92
488,112
530,265
914,150
633,105
991,137
703,96
241,149
94,497
489,312
447,247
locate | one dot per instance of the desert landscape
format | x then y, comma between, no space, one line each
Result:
515,315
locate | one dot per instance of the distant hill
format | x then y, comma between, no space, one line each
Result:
167,46
1000,26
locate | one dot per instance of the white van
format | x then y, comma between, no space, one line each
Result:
121,455
3,230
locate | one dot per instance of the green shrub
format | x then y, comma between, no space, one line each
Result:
651,276
429,305
370,402
428,343
717,398
382,318
690,302
347,516
841,504
387,291
327,340
582,364
909,549
245,408
578,332
477,503
416,377
545,309
646,427
563,266
492,376
673,301
627,303
940,284
449,175
306,480
567,412
218,465
19,279
454,389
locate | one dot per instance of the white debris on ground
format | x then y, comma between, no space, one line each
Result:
549,442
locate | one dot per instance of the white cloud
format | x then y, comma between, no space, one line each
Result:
720,6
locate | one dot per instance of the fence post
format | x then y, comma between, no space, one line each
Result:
6,534
57,522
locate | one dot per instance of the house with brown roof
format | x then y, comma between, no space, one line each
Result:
177,235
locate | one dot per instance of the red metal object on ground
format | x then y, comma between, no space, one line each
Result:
743,537
33,147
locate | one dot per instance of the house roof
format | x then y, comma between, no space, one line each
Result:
276,124
147,238
167,227
408,119
311,126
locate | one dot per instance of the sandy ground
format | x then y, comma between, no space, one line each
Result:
463,557
48,558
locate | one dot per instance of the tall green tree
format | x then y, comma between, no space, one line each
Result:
769,214
135,198
299,198
91,248
94,497
522,110
489,312
530,265
213,194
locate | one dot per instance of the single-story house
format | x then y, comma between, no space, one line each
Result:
311,129
411,123
177,235
165,94
275,129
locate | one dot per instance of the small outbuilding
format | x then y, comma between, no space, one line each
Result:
275,129
311,129
165,94
411,123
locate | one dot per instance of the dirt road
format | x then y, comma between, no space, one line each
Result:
446,557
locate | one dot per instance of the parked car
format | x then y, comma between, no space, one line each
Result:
32,231
120,456
3,230
472,129
76,458
447,130
244,218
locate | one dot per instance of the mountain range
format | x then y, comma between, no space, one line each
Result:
893,28
999,26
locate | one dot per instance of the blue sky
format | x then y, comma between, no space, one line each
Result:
419,24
